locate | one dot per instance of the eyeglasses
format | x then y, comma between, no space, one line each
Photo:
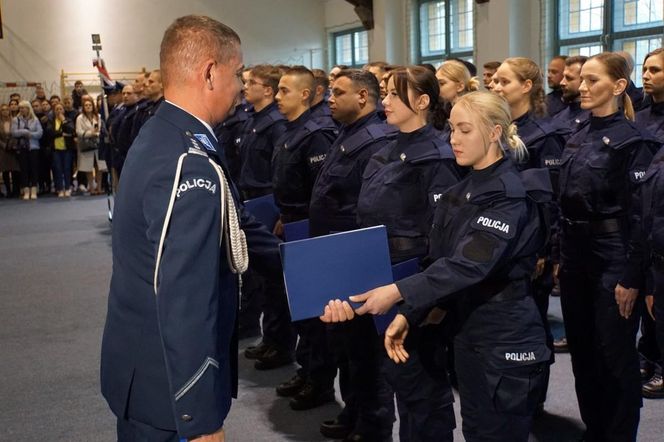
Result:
252,82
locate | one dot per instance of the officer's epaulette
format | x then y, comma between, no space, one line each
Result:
238,117
537,184
268,120
194,145
551,126
431,149
367,135
631,133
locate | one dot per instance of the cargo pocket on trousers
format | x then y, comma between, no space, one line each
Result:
515,377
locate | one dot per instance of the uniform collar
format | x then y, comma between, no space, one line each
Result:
657,108
489,171
368,118
299,120
602,122
181,121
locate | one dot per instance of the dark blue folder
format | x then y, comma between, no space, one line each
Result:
296,230
264,210
335,266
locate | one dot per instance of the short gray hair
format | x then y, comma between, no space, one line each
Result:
191,39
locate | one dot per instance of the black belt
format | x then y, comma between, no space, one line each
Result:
591,227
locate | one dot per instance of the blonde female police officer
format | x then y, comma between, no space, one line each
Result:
486,232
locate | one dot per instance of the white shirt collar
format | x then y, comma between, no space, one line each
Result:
204,123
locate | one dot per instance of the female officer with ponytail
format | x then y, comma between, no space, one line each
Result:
600,275
486,232
401,185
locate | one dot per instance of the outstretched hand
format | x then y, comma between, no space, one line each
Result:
377,301
337,311
395,336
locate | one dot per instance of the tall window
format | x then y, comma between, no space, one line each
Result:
351,47
587,27
446,30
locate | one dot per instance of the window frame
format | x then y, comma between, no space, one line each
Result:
607,37
448,52
352,32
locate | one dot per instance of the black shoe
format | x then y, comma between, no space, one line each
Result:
560,345
311,396
654,388
647,369
291,387
335,429
272,358
256,351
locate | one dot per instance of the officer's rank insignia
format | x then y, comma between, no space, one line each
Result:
206,142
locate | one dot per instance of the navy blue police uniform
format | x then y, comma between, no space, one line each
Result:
571,118
486,232
298,156
258,139
368,403
652,208
650,119
401,186
636,95
601,166
144,112
554,102
169,351
322,114
229,132
545,141
122,136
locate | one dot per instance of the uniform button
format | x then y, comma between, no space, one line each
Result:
186,418
188,133
253,130
606,140
403,157
343,149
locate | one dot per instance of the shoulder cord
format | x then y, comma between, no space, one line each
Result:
236,248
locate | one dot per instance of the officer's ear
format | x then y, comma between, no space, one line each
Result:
306,95
209,73
363,97
619,87
423,102
495,133
527,86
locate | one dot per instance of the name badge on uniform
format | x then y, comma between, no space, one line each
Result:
206,142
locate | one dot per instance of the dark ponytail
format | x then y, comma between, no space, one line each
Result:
439,113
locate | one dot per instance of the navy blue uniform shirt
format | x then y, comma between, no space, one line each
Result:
652,120
337,187
298,157
258,138
402,184
601,166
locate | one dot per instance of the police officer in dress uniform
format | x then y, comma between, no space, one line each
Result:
486,232
600,276
298,157
402,183
651,119
368,410
320,110
168,362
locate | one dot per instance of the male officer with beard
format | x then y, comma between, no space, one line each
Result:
357,347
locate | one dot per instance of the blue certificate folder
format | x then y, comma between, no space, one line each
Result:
264,210
296,230
334,266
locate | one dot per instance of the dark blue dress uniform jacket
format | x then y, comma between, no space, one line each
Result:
402,184
228,133
165,357
298,156
258,138
337,187
601,167
571,118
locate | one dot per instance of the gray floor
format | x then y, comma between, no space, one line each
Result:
55,265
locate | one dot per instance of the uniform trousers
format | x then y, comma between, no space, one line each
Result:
130,430
602,344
